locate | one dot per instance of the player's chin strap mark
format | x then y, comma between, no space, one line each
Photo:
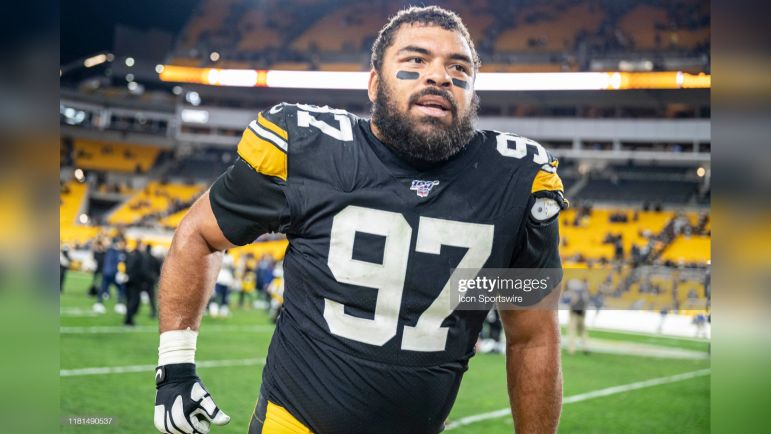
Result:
463,84
407,75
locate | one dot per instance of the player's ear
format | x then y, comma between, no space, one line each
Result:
372,86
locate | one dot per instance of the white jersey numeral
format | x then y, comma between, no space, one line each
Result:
344,133
520,148
388,277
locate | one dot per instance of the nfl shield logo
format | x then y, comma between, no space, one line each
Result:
423,187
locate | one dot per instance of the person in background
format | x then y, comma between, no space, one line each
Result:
64,265
579,298
700,322
137,280
265,275
153,263
248,278
276,292
225,280
97,252
113,273
490,338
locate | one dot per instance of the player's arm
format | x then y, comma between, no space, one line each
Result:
245,202
191,268
533,367
533,371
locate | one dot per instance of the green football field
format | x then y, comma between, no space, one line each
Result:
637,384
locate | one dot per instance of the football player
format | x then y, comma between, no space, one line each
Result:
377,213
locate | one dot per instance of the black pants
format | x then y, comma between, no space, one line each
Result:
150,290
133,289
62,276
134,292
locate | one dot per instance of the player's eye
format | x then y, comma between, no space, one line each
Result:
460,68
416,60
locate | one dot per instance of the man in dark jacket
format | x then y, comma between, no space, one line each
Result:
143,270
153,265
136,280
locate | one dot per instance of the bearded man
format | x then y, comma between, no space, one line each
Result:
377,213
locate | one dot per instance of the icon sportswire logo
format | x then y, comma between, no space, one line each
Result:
422,187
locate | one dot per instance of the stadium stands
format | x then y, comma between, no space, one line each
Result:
204,164
686,249
548,27
589,236
155,199
72,200
638,190
517,36
120,157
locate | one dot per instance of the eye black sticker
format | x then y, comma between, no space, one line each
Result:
463,84
407,75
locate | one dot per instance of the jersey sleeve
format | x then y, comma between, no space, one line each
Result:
249,199
539,235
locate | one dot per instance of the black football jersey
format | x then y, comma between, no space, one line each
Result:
367,341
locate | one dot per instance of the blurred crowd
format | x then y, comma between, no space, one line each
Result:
244,282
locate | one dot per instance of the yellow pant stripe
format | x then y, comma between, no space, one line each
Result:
280,421
271,126
262,155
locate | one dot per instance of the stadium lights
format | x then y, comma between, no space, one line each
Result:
486,81
195,116
95,60
193,98
214,56
129,62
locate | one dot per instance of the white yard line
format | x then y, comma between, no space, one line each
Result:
76,311
154,329
641,349
649,335
468,420
150,368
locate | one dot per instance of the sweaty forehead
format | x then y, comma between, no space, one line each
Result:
433,38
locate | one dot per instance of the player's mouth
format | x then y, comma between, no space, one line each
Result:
433,105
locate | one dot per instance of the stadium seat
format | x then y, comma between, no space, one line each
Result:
119,157
155,198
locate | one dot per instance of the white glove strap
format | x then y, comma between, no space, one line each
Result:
177,346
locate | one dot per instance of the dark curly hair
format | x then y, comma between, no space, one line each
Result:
428,15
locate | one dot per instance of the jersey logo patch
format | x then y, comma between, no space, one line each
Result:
422,187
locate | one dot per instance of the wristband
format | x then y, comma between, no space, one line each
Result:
177,346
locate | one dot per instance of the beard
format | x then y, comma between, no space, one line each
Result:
407,136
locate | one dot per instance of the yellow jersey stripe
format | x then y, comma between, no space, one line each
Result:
263,156
546,181
271,126
280,421
268,135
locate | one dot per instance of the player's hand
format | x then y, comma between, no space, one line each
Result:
182,404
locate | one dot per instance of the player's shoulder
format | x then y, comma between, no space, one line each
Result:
308,121
516,150
532,163
299,112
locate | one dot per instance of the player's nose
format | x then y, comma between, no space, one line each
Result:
437,75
